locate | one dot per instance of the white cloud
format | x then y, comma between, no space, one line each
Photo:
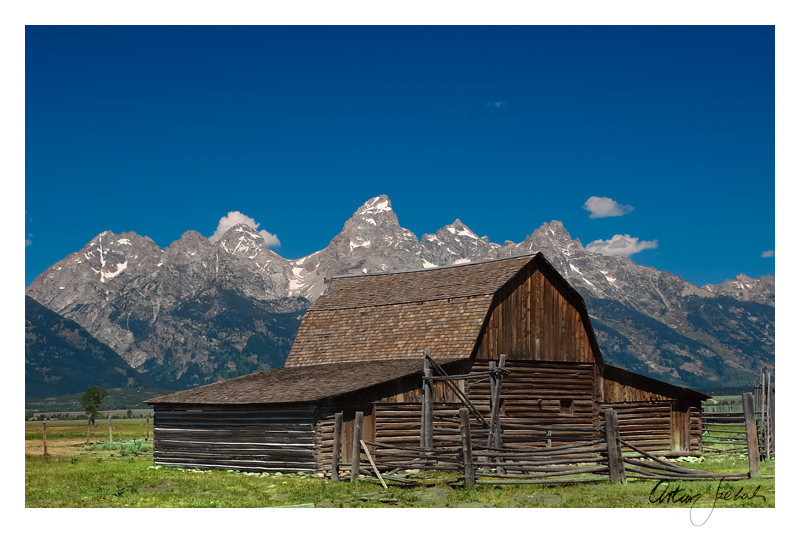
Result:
235,217
620,245
496,105
768,253
29,240
601,207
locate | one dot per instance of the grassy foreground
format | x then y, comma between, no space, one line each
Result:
122,475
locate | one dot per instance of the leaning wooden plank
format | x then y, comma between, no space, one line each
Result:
375,468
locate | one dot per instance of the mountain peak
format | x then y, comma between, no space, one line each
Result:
242,239
459,228
379,204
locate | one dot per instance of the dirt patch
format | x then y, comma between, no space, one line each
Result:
55,447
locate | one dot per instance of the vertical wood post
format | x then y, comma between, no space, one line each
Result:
355,461
44,436
337,446
687,430
492,403
427,402
147,428
768,416
88,427
762,401
752,435
466,448
616,466
771,416
498,389
110,437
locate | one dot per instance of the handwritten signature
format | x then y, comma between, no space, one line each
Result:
664,493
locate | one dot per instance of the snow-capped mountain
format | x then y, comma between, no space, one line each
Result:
197,311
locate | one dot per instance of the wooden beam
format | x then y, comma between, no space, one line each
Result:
337,446
355,460
374,468
474,410
752,435
427,402
616,466
466,447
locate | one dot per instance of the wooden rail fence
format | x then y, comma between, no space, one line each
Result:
724,427
473,447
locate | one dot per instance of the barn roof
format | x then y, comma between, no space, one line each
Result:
298,384
393,316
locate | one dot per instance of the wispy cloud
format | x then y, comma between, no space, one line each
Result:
601,207
235,217
499,104
29,240
620,245
768,253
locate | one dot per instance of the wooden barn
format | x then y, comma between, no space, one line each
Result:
360,348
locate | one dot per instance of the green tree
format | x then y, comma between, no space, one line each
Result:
91,401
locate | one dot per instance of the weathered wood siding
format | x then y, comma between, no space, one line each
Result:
539,394
646,425
392,414
618,385
228,438
325,426
530,319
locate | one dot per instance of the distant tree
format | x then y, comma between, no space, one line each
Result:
91,401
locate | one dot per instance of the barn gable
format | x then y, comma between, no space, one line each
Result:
518,306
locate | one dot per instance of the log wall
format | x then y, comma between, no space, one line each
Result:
541,394
228,438
646,425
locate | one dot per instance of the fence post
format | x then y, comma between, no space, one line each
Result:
147,428
110,438
427,403
493,402
337,446
752,434
466,448
355,460
616,466
44,436
771,417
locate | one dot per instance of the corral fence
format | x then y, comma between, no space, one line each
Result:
584,455
472,448
724,425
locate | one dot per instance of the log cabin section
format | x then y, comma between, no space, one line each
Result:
360,346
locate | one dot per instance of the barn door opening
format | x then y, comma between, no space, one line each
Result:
679,428
348,428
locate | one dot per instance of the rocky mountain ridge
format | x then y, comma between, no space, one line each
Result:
197,311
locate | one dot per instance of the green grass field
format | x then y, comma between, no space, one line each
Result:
123,475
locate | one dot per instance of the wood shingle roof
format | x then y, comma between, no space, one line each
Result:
298,384
397,316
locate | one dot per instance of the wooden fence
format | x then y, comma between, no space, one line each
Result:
473,448
724,427
594,454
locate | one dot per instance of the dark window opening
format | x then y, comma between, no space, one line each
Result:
567,407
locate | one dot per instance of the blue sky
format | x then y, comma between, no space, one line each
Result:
160,130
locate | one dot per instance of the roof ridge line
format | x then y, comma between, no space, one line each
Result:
437,299
460,265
